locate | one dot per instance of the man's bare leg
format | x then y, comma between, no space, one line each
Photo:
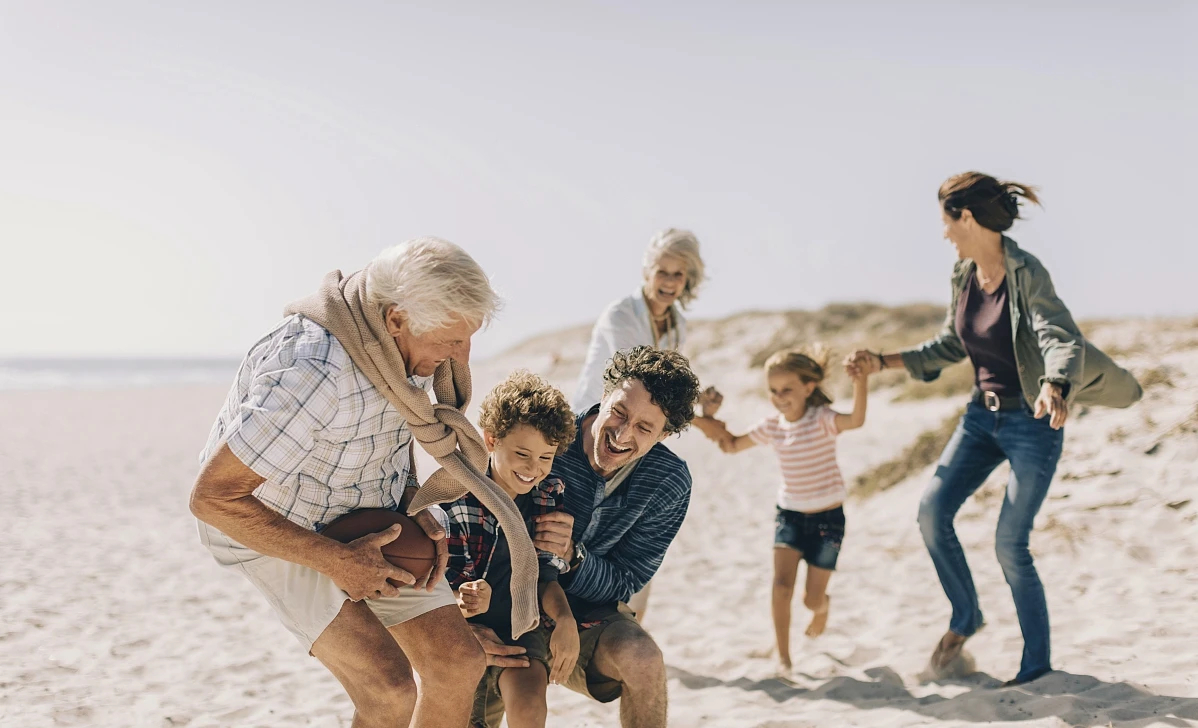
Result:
628,654
371,667
449,661
523,690
816,599
786,568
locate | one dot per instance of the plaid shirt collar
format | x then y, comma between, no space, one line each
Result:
474,531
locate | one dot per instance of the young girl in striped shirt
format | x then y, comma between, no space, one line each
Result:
810,519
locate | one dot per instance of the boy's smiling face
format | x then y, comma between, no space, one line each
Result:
520,459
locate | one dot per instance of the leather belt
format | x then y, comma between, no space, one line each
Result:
995,403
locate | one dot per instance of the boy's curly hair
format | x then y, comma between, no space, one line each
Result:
666,375
526,399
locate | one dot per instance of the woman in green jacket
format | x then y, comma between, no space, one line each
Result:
1031,364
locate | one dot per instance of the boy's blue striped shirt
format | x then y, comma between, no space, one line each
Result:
626,535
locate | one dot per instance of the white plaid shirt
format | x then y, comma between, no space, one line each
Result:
304,417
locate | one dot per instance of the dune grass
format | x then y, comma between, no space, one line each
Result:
847,326
1160,376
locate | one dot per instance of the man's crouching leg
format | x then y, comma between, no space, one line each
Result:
628,654
450,662
374,671
375,666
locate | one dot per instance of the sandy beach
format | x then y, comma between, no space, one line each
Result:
112,614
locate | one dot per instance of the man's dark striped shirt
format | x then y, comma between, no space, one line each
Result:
626,535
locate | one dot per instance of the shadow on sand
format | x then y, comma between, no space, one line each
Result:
1079,700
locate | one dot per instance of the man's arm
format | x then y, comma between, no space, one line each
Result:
623,571
223,497
554,537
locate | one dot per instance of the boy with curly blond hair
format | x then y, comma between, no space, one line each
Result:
525,423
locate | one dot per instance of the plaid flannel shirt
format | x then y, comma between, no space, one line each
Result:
303,416
474,531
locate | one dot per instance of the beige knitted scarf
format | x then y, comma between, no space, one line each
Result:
442,429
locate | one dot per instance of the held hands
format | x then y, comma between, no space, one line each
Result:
362,572
727,441
710,401
563,645
862,363
474,598
715,430
1052,402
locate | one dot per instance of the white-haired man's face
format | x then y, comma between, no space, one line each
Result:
423,353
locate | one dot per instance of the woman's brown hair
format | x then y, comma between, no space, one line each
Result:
994,204
808,365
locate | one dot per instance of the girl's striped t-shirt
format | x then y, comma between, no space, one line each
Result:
811,479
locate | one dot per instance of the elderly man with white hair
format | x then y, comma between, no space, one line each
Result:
320,422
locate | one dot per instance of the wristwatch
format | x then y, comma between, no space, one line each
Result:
580,555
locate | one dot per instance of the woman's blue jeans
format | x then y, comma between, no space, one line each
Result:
981,442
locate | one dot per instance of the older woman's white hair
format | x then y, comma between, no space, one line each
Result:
681,244
434,282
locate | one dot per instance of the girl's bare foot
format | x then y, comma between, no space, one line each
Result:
783,669
947,650
819,619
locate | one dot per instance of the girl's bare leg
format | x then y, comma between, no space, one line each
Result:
816,599
786,568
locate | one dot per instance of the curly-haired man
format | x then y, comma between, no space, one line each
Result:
626,496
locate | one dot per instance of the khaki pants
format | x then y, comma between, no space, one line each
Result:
585,679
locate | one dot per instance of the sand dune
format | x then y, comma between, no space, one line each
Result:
112,614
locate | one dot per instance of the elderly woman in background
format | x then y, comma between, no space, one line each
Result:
650,316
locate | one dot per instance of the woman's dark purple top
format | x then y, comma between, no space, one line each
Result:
983,323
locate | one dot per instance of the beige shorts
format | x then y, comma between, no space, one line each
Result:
305,600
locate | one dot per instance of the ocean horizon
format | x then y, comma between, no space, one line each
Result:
24,373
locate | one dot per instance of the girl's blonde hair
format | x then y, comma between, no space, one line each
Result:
808,364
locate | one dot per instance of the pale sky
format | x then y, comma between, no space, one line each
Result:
171,175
